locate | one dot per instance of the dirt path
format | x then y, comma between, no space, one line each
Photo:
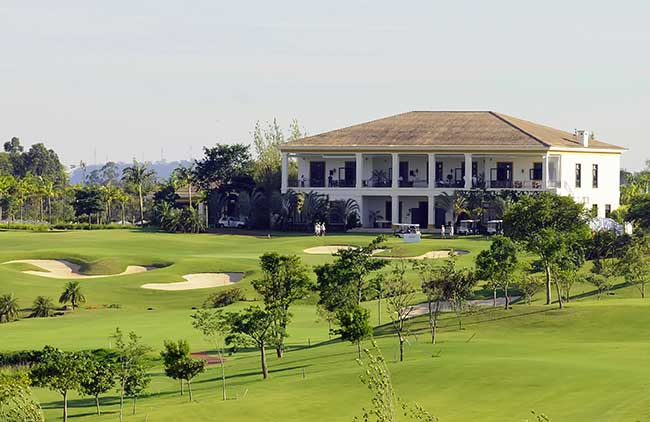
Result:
423,308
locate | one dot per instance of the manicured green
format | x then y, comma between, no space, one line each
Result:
588,362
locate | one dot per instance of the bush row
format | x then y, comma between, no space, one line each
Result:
42,227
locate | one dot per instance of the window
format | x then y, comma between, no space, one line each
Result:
578,175
608,210
536,172
594,210
594,175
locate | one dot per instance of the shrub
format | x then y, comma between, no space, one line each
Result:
224,298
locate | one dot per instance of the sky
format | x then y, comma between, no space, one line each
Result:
118,80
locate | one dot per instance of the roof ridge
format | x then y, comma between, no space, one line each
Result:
509,123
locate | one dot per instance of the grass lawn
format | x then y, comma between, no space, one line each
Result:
588,362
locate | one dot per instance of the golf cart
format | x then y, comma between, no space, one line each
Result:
468,227
494,227
409,232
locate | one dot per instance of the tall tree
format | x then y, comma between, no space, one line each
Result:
634,263
433,279
221,164
16,400
254,323
215,327
354,325
458,289
61,372
141,178
7,183
179,364
549,226
498,264
72,293
284,280
400,296
101,369
131,374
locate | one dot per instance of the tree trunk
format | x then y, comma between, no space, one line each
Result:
223,377
181,381
189,388
122,404
643,290
379,310
505,293
401,348
65,407
279,351
548,285
189,190
135,401
494,297
49,210
123,214
265,372
99,412
141,206
559,295
359,349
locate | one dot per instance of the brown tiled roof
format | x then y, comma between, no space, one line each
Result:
464,129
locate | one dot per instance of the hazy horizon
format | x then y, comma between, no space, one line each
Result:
133,80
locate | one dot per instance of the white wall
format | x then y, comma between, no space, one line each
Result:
608,191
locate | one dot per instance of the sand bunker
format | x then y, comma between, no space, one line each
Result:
59,268
198,281
327,250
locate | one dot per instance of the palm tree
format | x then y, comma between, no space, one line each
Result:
73,294
6,185
185,176
344,209
42,307
49,190
454,204
109,194
373,216
315,207
8,307
139,176
122,197
192,221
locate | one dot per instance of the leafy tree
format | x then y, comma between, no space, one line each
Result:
88,201
140,178
267,165
101,368
345,281
61,372
171,355
42,162
530,284
122,197
185,177
7,183
549,226
639,211
634,263
498,264
376,286
72,293
50,191
566,278
601,282
179,364
433,280
221,165
16,400
256,324
399,297
454,204
346,212
458,289
214,326
42,307
284,280
354,324
8,308
385,402
131,373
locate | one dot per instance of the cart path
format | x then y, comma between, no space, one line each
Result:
423,308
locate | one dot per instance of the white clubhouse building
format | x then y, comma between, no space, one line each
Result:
396,167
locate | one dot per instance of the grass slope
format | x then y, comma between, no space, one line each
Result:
588,362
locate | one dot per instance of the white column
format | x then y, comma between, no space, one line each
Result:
545,172
362,218
395,209
432,170
359,183
468,171
285,173
395,170
431,214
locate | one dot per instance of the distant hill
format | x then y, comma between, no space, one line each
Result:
162,168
